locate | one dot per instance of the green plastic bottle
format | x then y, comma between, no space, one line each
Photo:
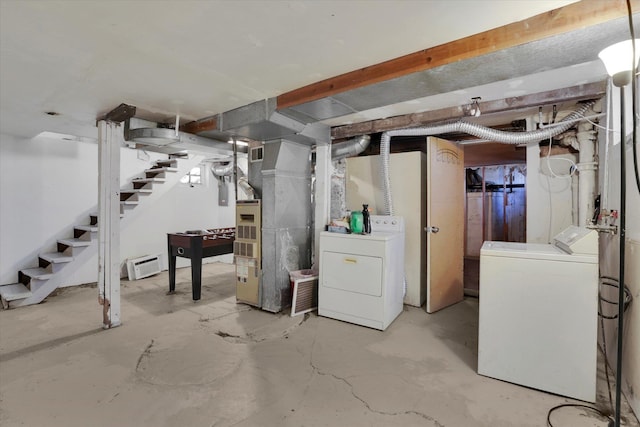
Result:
356,222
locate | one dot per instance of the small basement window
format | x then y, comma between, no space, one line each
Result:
194,177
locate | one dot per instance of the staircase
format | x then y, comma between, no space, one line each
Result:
35,284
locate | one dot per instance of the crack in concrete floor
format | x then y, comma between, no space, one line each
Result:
318,371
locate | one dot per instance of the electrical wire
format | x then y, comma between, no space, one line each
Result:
575,405
572,170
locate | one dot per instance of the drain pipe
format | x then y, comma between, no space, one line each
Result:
350,148
483,132
587,167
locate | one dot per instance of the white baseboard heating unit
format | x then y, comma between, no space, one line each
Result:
139,268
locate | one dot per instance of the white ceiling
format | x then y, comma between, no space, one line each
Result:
198,58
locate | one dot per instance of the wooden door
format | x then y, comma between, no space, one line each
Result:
445,224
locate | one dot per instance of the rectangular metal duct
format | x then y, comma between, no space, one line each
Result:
260,121
286,219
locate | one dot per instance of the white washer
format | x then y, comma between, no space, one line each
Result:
539,312
361,276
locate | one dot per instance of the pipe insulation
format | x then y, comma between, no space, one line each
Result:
350,148
482,132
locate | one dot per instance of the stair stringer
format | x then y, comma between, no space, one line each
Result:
88,253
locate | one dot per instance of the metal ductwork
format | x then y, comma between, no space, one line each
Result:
261,122
243,183
350,148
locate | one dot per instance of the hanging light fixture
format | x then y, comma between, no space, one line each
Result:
621,61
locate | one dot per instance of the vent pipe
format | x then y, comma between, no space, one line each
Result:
350,148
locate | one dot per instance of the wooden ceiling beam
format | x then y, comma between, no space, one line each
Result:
568,18
574,93
202,125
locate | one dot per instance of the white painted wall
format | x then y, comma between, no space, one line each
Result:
549,197
609,250
47,186
539,182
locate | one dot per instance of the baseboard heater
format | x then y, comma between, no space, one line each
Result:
145,266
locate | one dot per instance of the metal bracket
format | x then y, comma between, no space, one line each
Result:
433,230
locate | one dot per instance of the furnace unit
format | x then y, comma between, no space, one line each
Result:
247,251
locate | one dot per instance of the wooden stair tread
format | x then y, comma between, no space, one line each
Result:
140,180
37,273
56,257
136,190
75,243
14,291
129,202
162,169
90,228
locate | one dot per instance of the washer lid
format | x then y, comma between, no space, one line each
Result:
533,251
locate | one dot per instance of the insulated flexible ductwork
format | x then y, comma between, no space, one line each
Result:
483,132
350,148
222,170
243,182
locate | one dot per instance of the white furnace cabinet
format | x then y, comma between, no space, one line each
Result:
361,277
408,175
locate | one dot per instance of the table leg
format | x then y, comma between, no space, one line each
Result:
172,268
196,267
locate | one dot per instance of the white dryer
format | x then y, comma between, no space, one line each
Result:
538,313
361,276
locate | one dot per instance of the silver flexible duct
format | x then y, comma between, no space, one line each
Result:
222,170
246,187
350,148
243,182
483,132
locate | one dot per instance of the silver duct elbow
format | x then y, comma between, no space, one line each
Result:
350,148
222,170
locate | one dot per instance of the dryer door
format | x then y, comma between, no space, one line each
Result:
352,273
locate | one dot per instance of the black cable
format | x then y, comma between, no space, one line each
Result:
628,298
604,352
634,97
576,405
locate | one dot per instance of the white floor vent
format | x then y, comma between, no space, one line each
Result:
145,266
305,295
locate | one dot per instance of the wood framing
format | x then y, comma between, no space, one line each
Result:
575,93
568,18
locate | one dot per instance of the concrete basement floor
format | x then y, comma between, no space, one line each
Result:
174,362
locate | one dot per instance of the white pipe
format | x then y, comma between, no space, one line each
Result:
575,200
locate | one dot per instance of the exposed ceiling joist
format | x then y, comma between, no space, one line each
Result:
565,19
575,93
202,125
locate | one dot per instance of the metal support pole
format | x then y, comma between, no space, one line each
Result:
235,166
110,139
623,215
